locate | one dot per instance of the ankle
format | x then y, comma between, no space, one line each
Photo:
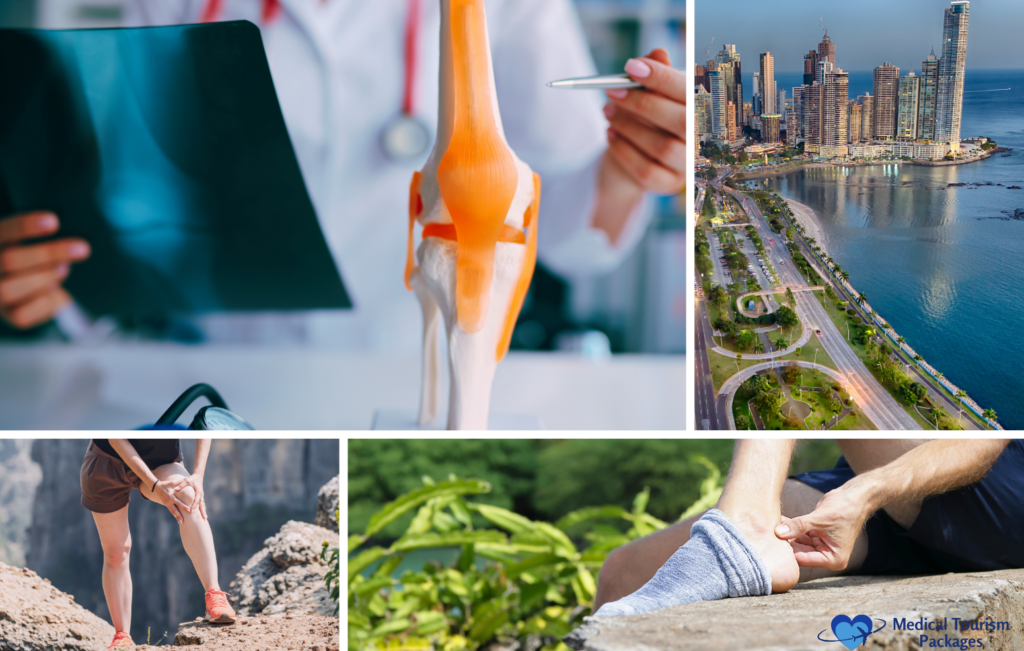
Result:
753,522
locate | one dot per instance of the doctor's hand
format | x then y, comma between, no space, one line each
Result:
647,137
31,275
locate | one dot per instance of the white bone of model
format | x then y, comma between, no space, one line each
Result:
472,355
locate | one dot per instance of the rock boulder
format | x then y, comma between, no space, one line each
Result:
327,505
793,621
35,616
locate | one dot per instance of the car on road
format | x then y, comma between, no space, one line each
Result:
772,241
782,263
817,332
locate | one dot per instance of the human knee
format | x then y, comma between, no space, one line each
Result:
613,569
116,555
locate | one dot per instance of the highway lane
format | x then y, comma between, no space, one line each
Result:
880,407
709,416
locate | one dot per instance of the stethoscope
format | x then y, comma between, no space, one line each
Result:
406,137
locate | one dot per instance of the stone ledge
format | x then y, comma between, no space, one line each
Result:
792,621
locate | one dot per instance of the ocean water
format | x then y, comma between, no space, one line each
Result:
944,265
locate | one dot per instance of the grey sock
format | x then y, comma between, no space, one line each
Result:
717,562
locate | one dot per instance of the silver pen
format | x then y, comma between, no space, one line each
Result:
600,82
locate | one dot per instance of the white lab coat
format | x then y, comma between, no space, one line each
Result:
338,69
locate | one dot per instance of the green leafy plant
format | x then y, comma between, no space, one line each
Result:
332,556
513,579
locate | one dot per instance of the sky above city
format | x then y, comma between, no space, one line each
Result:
866,33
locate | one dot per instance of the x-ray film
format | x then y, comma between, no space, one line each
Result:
166,149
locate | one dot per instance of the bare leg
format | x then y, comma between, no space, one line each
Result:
751,498
196,535
116,541
629,567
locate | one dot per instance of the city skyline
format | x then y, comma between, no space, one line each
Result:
863,42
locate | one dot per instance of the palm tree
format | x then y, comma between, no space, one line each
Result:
960,395
990,415
844,275
758,346
739,358
780,343
918,359
901,340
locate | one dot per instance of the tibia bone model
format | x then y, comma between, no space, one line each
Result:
478,204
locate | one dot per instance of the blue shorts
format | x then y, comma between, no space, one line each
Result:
977,527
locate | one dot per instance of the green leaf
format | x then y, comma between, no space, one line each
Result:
428,622
354,541
591,513
358,621
466,558
373,585
394,510
531,595
487,621
443,522
391,627
453,539
534,562
641,500
364,560
390,564
461,512
511,522
559,541
422,522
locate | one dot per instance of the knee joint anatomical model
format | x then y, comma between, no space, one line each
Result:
478,205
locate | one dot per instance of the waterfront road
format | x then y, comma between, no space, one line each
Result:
710,411
880,407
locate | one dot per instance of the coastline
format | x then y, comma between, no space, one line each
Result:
764,174
808,220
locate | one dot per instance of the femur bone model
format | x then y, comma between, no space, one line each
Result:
478,205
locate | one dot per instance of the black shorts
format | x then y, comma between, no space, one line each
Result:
977,527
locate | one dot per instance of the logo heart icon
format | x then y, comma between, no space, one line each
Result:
852,632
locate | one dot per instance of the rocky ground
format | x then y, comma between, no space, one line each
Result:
35,615
793,621
270,633
287,575
279,595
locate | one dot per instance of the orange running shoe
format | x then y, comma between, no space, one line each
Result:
122,641
218,611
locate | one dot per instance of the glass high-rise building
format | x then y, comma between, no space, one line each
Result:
906,121
952,65
729,64
929,88
886,90
719,102
702,111
768,92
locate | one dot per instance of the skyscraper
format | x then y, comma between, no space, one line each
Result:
730,122
768,94
929,86
856,111
771,129
702,111
867,117
906,120
950,96
827,50
718,104
732,72
886,90
810,67
755,100
700,77
825,106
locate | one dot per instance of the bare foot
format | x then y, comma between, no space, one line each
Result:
777,554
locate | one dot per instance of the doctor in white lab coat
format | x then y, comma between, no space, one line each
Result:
339,70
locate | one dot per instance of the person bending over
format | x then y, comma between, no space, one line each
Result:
888,507
112,468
